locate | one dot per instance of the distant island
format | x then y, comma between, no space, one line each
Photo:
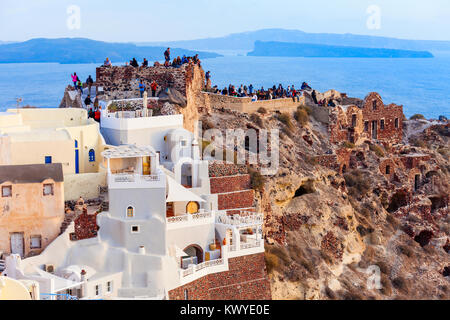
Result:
290,49
79,50
245,41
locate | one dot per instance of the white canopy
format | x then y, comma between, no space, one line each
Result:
178,193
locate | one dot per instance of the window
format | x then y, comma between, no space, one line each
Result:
396,123
183,143
48,189
135,229
109,286
388,169
366,126
382,124
36,242
186,294
130,212
7,191
48,159
92,155
353,120
374,104
97,290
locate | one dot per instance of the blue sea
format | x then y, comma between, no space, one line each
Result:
420,85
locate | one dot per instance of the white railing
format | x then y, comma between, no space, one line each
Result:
190,217
128,177
245,218
251,244
204,265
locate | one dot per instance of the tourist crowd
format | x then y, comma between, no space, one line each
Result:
275,92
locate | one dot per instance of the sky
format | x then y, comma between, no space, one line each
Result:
167,20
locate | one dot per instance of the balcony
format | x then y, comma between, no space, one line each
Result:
243,220
196,271
133,180
189,220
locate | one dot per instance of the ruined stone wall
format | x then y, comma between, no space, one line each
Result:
85,226
388,113
346,124
246,280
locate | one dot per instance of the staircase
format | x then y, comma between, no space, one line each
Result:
2,265
68,219
104,198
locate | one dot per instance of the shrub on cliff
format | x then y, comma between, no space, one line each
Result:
257,120
207,124
417,116
272,262
302,115
262,110
377,150
358,183
258,181
348,145
285,118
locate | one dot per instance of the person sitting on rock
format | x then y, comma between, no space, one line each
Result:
134,63
107,63
145,63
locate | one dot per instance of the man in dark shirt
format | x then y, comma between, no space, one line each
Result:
88,101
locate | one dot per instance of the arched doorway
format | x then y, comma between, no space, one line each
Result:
193,251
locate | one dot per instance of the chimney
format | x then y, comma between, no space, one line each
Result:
142,250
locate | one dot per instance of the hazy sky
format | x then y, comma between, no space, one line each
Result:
160,20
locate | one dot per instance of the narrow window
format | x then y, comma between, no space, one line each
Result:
135,229
48,189
186,294
381,124
396,123
388,169
36,242
130,212
7,191
48,159
97,290
183,143
366,126
92,155
353,120
374,104
109,286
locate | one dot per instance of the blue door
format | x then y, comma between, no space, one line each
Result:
77,158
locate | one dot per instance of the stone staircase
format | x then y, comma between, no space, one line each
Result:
104,199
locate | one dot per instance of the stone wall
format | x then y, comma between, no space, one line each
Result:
246,280
230,184
247,106
85,226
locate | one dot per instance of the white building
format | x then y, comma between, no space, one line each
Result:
162,229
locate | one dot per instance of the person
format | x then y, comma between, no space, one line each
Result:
107,63
314,96
74,79
184,60
134,63
254,98
91,113
167,55
208,80
88,101
145,63
141,88
97,115
250,89
154,86
89,82
79,86
305,86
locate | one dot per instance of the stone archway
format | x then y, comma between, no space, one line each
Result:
195,250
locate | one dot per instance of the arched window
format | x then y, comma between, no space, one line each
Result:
130,212
92,155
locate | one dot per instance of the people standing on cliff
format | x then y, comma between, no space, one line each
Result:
305,86
79,86
97,115
89,82
167,55
107,63
154,87
250,89
208,80
314,96
141,88
145,63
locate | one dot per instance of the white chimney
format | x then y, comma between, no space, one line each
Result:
141,250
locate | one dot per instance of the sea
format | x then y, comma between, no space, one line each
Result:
420,85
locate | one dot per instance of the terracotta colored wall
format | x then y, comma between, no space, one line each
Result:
246,280
32,213
230,184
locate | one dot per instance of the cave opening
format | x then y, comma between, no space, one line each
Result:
398,200
306,187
